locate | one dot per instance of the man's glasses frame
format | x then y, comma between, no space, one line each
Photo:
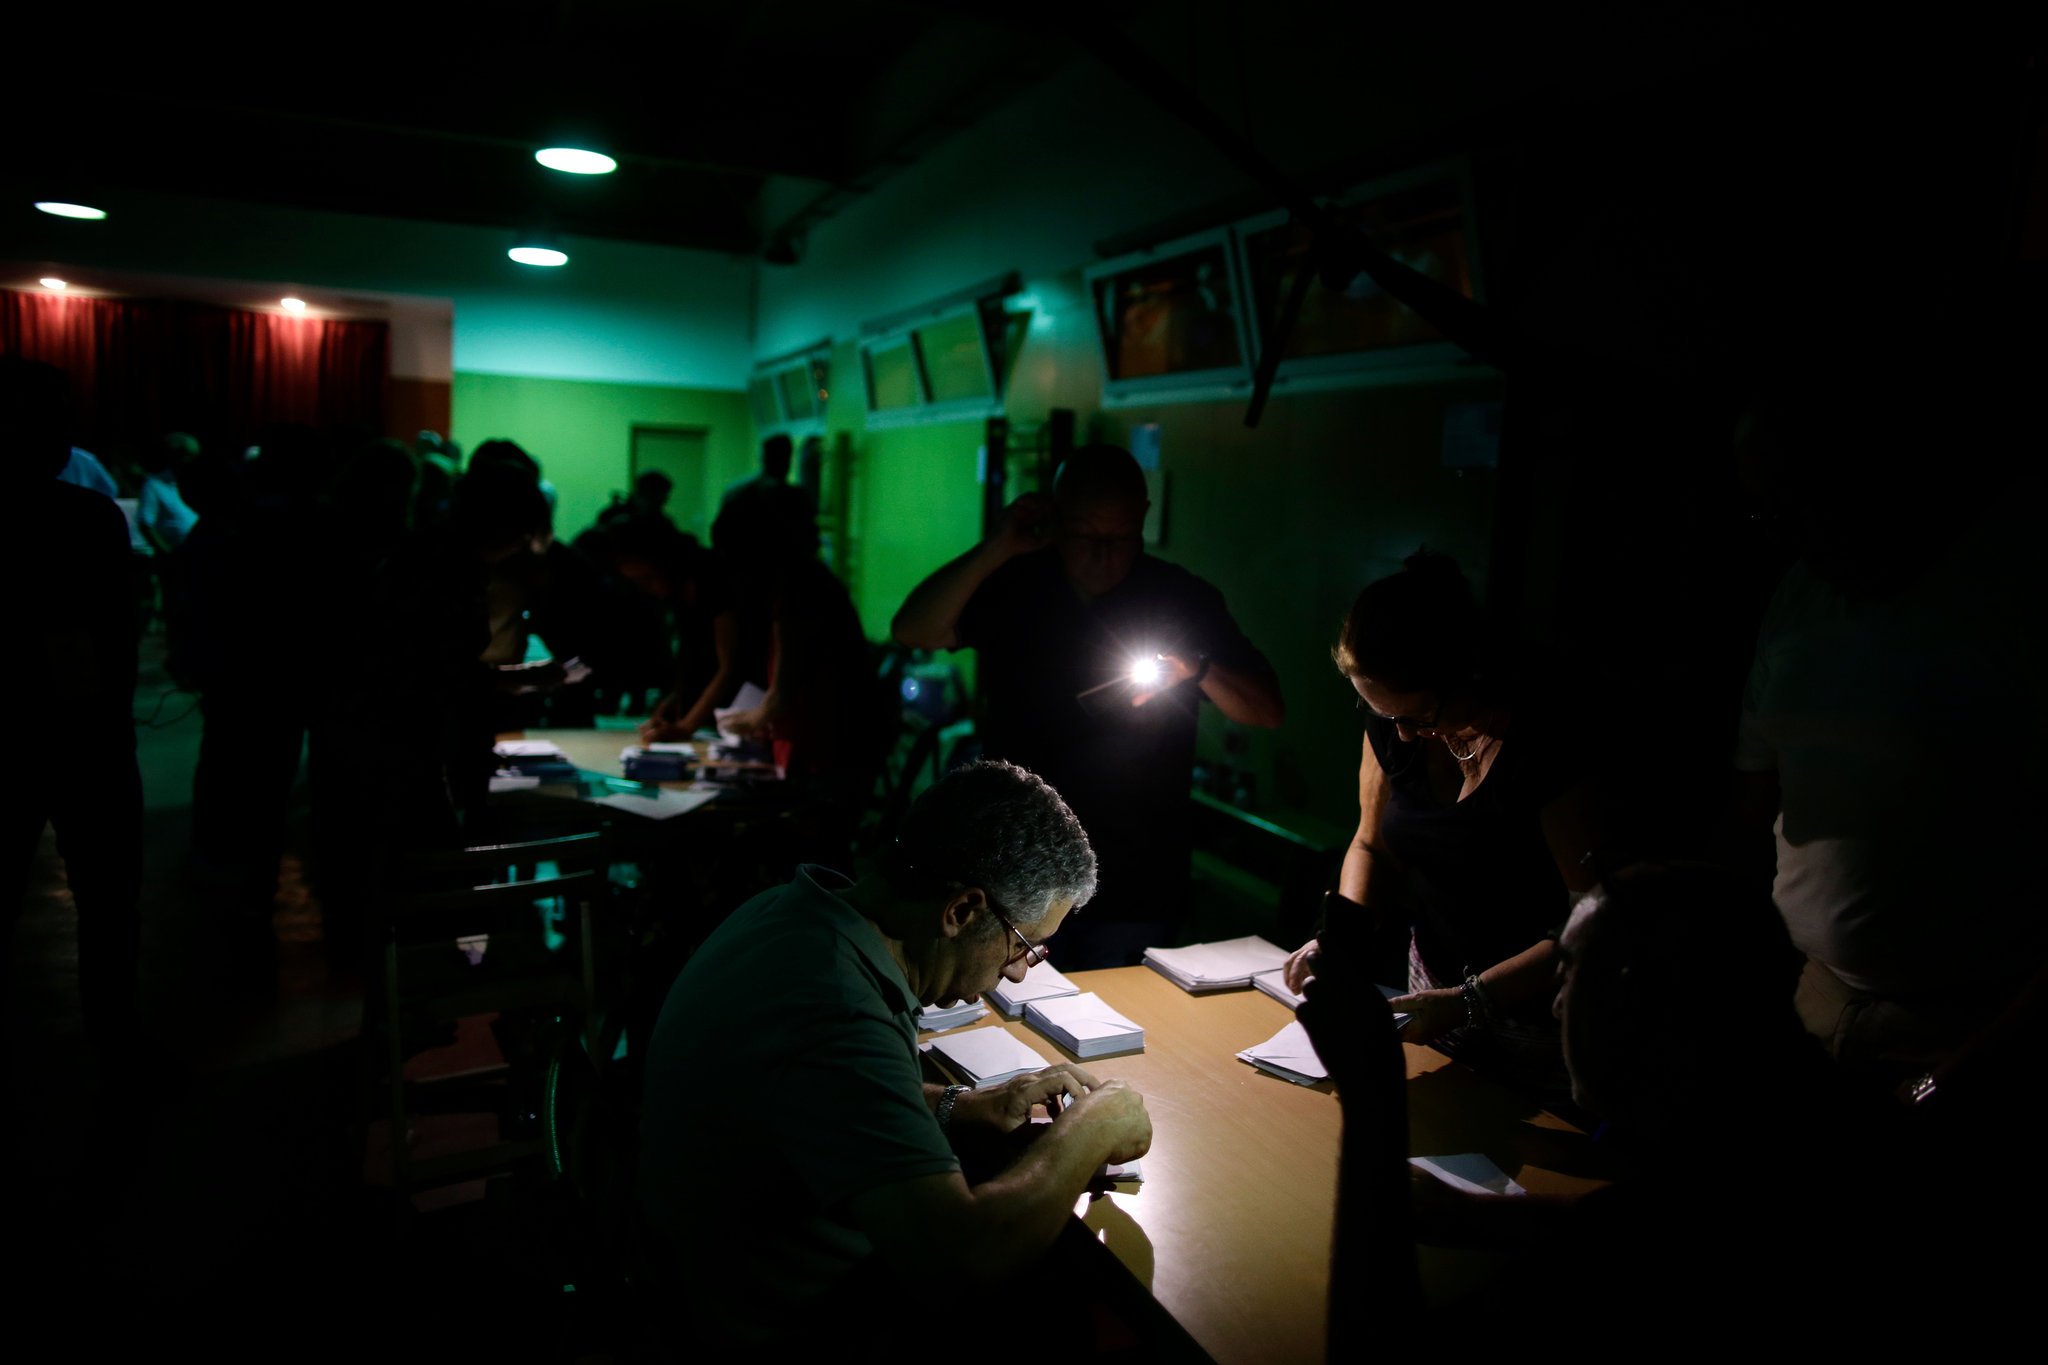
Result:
1032,954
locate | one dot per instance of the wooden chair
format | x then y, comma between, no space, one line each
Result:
488,892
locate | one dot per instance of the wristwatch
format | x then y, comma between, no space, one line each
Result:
950,1098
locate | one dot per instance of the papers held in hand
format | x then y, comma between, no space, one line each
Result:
986,1056
1289,1055
1221,966
1042,982
934,1018
1084,1025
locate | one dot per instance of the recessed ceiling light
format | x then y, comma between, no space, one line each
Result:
291,305
575,161
538,255
52,282
64,210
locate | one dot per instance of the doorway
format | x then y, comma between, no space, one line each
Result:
678,452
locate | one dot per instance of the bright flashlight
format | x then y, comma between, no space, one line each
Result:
1145,671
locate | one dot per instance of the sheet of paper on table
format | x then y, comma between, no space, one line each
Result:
986,1056
1085,1025
1289,1055
655,803
1470,1172
935,1018
513,782
1216,966
1042,982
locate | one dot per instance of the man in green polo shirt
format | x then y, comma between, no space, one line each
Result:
793,1160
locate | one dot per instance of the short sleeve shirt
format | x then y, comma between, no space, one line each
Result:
1051,665
783,1080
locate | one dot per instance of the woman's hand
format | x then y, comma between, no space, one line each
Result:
1298,968
747,724
660,725
1431,1014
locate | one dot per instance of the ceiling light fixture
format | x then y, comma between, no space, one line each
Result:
52,283
292,305
530,253
575,161
62,209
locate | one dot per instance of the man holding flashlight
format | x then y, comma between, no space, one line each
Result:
1094,660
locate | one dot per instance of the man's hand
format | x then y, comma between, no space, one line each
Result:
1024,526
1299,967
1008,1106
1173,671
1117,1112
1431,1014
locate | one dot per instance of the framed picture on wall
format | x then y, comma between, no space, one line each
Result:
1170,322
1423,218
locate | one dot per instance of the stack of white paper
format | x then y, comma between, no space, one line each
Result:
986,1056
1272,985
1289,1055
933,1018
1084,1025
1042,982
1470,1172
1215,966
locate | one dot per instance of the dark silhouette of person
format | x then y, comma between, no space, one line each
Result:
1064,607
266,640
765,520
1675,1002
76,670
688,585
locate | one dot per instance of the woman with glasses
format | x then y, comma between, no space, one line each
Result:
1475,820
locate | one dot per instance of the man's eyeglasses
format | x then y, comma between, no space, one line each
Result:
1032,953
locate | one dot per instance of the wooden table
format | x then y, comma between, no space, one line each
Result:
1230,1229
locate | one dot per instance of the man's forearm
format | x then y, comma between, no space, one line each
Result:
1018,1213
1247,698
929,618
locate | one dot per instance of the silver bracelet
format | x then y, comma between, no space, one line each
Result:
947,1100
1478,1009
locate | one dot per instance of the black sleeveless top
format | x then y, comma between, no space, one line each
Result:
1480,880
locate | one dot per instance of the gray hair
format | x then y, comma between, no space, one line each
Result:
1004,829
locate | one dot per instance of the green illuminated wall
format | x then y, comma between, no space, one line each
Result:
581,432
1289,520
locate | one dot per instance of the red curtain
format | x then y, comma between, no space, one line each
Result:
141,368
